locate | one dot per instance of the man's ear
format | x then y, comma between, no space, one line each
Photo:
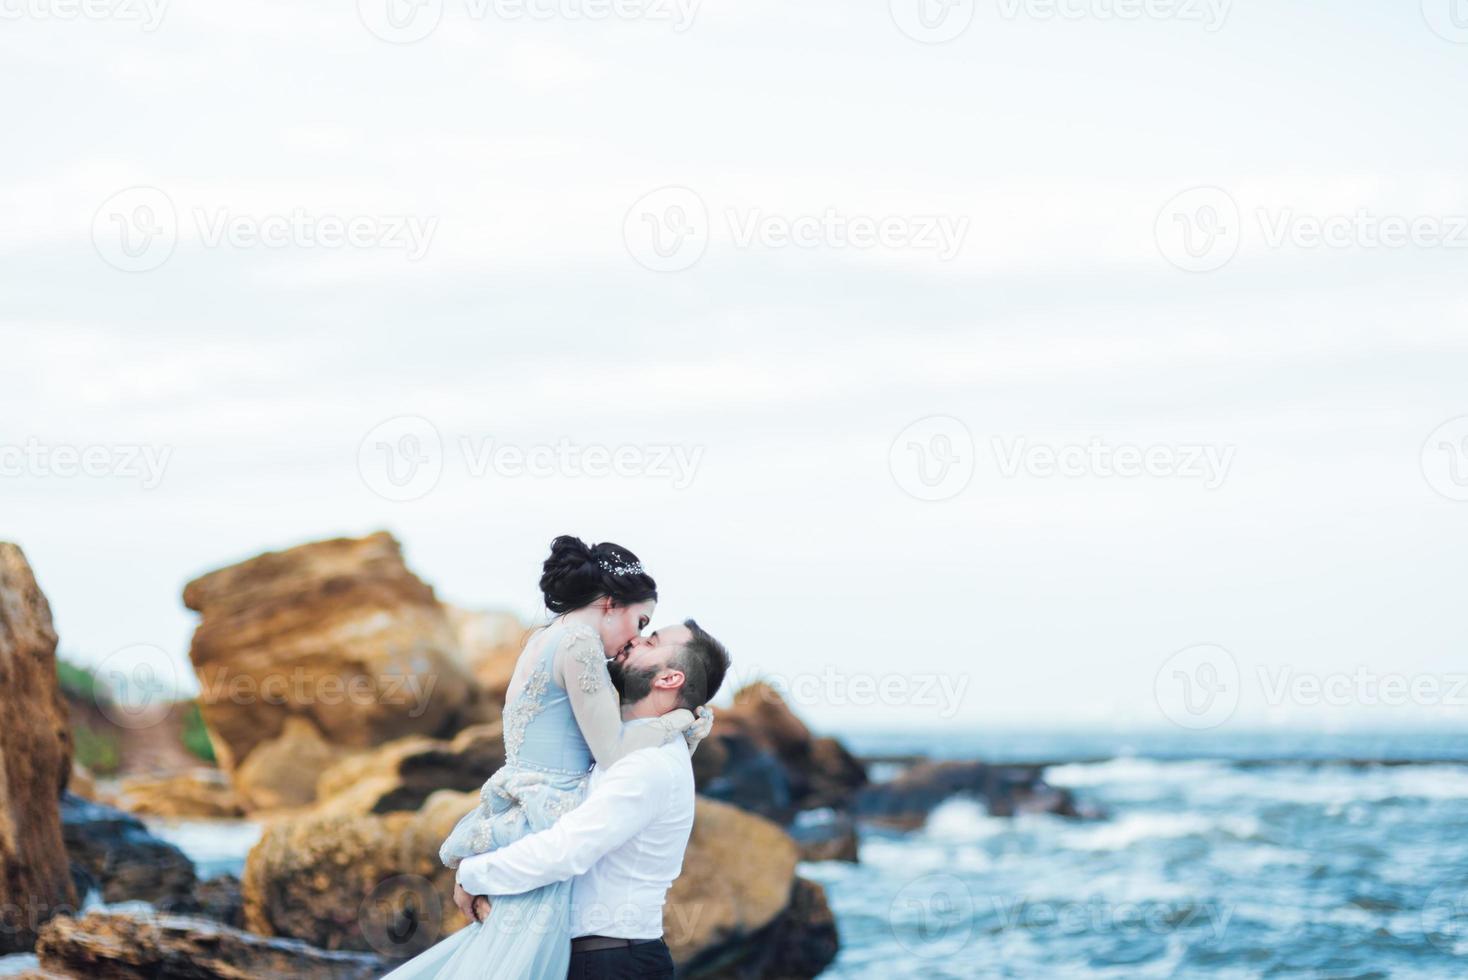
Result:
671,679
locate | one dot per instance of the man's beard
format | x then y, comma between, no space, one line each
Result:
632,685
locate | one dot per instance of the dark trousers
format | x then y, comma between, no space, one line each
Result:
645,961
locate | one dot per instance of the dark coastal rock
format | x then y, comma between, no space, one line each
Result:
825,835
763,758
35,759
167,947
733,768
401,775
220,899
905,802
339,637
356,880
799,943
116,854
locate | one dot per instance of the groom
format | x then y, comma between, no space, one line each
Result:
626,842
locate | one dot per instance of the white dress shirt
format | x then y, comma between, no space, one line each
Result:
624,846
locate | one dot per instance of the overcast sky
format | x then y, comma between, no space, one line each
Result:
808,269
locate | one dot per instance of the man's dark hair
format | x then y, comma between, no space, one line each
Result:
704,662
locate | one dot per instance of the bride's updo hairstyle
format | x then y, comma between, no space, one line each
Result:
577,574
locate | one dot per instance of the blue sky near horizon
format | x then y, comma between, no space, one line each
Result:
1326,554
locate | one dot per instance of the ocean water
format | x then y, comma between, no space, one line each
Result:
1251,857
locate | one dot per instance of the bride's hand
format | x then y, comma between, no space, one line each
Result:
464,901
703,724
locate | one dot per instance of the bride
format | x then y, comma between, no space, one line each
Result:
561,714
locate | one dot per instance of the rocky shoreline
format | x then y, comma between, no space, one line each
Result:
355,716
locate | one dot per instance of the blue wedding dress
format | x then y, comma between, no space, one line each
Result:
547,765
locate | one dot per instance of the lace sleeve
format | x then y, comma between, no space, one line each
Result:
581,666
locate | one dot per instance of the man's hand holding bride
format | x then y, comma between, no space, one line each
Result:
473,907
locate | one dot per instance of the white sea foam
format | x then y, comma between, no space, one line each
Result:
1133,828
1127,770
215,846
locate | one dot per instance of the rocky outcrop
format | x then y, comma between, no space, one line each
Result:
825,835
362,881
198,793
489,645
738,910
113,853
118,946
35,759
344,880
401,775
905,802
338,636
763,758
282,772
